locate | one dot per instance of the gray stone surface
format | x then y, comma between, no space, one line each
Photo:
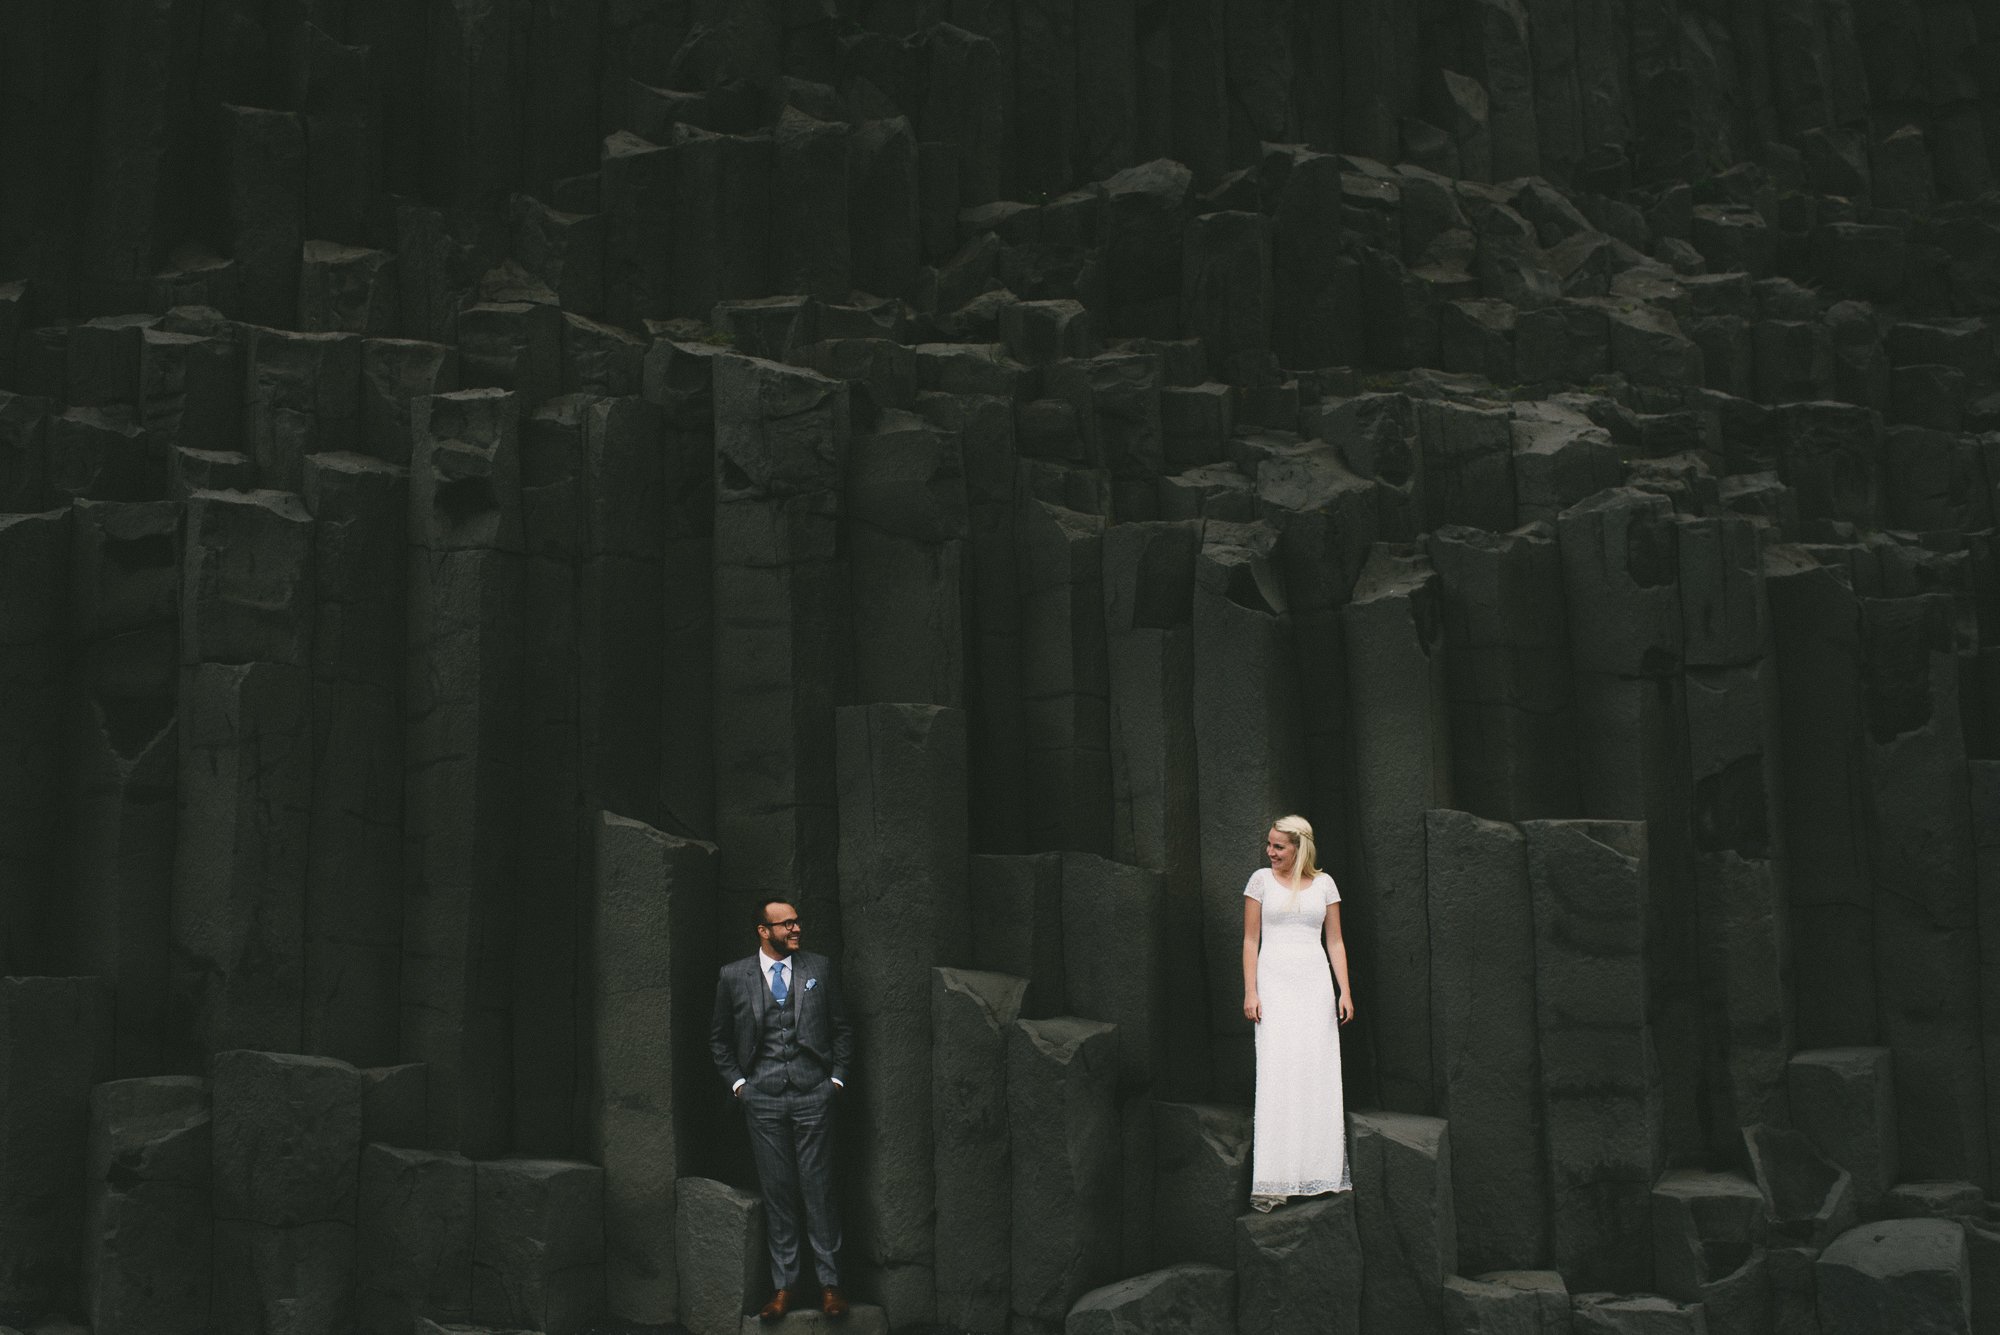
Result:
147,1229
1249,759
1743,954
903,911
1149,639
32,664
286,1135
1909,1274
1063,1130
240,856
1809,1200
1201,1180
354,855
1935,1200
461,693
394,1104
1843,1099
1923,866
648,1011
1396,698
1816,622
1016,913
780,442
1507,673
971,1016
862,1318
1507,1302
1064,681
905,495
1600,1083
1299,1268
1404,1213
1705,1226
1484,1037
719,1255
123,737
1114,960
1616,1314
413,1238
1189,1297
538,1244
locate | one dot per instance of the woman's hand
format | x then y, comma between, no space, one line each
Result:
1344,1008
1253,1009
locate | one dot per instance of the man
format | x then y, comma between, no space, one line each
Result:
782,1042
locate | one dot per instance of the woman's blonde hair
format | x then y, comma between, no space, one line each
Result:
1301,831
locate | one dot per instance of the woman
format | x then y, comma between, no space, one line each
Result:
1289,909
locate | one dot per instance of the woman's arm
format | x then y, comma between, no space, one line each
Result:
1253,927
1336,950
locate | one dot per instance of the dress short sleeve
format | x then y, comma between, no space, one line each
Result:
1329,891
1255,889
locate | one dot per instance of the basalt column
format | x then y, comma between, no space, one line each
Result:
1328,518
1926,930
1600,1078
971,1017
1621,582
1733,730
460,815
148,1219
906,541
55,1044
1484,1046
680,378
1064,682
1248,755
651,1077
245,775
903,911
996,738
1396,704
33,655
1816,627
121,719
1508,680
552,839
1148,609
780,449
354,886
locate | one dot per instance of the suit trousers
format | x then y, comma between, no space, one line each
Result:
791,1142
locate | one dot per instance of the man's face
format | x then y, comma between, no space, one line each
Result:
779,932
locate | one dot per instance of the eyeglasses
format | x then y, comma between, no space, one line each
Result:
785,926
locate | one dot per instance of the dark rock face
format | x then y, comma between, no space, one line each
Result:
490,492
1299,1268
146,1179
1909,1271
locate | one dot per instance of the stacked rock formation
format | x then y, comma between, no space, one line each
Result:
490,491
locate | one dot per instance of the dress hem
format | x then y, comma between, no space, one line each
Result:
1311,1187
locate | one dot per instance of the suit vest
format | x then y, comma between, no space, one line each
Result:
780,1063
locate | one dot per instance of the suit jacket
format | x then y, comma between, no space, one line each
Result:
743,1000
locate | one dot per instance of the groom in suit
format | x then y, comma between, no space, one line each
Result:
782,1043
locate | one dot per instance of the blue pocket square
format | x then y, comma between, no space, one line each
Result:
811,983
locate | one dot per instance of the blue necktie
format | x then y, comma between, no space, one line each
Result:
778,989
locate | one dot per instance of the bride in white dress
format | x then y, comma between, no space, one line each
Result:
1291,933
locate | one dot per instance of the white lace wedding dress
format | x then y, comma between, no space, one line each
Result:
1301,1139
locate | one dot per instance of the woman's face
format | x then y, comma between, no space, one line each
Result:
1282,851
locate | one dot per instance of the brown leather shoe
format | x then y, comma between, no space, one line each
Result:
833,1302
781,1303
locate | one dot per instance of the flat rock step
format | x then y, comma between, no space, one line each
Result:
861,1319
